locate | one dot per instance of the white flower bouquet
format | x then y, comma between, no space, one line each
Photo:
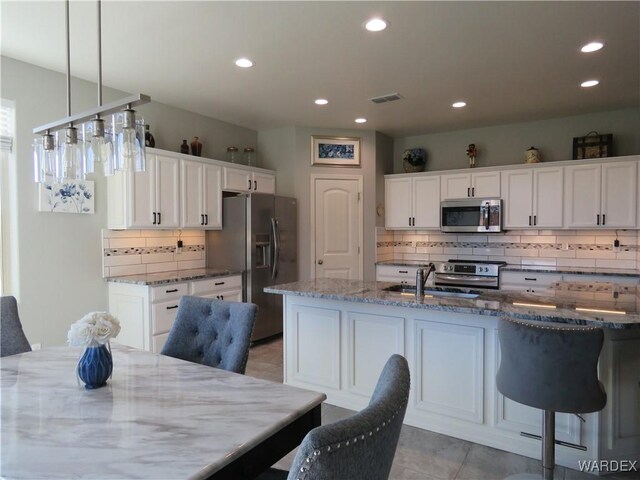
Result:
95,328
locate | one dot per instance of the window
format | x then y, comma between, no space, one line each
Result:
7,134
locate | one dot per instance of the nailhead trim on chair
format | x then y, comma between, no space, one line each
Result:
336,446
578,328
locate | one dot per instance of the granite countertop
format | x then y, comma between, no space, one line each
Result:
557,304
619,272
175,276
158,416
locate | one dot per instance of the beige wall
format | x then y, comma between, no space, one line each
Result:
57,258
505,144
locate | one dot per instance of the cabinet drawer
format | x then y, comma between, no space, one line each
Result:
162,316
168,292
234,295
529,279
159,341
394,271
213,285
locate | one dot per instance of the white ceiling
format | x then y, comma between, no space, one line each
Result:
510,61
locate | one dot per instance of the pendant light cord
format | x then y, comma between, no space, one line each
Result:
66,10
99,53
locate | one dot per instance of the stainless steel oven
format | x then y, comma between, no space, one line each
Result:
468,274
471,215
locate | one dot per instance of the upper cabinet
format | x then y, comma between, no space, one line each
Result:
531,197
248,181
178,191
467,185
412,202
601,195
201,197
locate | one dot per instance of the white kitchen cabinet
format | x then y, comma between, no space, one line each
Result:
467,185
531,197
248,181
148,199
412,202
147,313
601,195
201,195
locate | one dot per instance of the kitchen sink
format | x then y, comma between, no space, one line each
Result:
435,291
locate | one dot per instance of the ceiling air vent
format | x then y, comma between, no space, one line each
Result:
391,97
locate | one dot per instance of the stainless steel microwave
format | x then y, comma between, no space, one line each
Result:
471,215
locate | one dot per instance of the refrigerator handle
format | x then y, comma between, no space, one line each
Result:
275,231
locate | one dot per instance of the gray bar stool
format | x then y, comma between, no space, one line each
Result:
553,367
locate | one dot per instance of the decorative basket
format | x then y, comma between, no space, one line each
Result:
593,145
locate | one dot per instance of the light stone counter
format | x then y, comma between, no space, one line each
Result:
176,276
554,305
158,418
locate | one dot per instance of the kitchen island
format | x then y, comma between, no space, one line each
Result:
338,334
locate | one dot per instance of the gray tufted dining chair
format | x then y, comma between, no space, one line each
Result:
553,367
212,332
362,446
12,337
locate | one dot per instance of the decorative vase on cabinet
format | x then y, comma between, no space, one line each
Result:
413,160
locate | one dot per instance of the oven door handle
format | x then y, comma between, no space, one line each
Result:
486,215
464,278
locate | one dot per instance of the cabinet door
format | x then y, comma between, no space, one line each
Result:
486,184
397,193
426,202
455,186
142,196
212,196
619,192
191,194
582,196
167,192
264,183
237,180
517,191
547,197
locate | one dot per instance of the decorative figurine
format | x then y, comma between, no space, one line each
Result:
196,147
184,148
532,155
472,152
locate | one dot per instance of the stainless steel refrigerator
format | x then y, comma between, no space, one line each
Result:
258,236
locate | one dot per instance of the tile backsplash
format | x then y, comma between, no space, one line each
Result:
131,252
574,248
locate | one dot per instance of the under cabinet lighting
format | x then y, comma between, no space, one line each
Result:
533,305
598,310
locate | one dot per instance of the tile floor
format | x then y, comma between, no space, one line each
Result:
422,455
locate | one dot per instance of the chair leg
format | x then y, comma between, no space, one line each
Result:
548,444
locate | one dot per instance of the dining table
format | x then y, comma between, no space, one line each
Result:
158,418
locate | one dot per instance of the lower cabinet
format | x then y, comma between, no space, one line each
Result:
147,313
340,348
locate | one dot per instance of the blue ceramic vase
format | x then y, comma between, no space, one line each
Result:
95,366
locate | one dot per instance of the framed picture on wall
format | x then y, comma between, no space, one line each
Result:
335,151
74,196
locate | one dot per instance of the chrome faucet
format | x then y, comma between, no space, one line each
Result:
421,278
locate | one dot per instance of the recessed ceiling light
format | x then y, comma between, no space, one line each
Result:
589,83
458,104
321,101
244,62
592,47
361,120
376,24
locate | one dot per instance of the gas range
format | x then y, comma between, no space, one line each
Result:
469,273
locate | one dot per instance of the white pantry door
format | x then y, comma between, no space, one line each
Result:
337,210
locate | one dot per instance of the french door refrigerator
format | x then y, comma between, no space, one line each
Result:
258,237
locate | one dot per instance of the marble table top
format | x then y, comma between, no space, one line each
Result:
175,276
564,302
158,417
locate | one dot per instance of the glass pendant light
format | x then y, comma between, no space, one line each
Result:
99,148
44,158
129,133
70,159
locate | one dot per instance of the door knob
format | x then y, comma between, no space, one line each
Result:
320,262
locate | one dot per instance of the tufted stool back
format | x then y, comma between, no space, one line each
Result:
362,446
212,332
12,337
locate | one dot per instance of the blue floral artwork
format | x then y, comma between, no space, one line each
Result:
326,150
69,197
335,151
